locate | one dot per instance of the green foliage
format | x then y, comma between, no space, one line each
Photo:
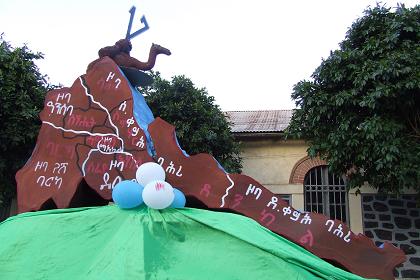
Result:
361,110
200,124
22,91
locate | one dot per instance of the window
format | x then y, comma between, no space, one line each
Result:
287,198
326,193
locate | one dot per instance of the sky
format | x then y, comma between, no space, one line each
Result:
248,54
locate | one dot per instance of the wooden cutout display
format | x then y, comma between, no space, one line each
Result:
90,132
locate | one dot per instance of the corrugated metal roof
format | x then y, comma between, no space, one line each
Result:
259,121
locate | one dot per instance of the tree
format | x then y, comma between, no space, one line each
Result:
200,124
361,109
22,92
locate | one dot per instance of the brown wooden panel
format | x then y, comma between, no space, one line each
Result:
89,132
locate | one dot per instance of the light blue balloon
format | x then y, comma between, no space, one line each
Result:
127,194
179,199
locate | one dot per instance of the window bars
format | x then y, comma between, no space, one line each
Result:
326,193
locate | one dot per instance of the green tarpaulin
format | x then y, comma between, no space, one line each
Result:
142,243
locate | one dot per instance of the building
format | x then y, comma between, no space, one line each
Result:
283,166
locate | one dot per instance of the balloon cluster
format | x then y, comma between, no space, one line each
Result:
150,188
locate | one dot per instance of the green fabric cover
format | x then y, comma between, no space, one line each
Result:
142,243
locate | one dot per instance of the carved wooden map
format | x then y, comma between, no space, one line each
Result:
97,132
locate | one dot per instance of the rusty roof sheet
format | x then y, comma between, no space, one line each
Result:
259,121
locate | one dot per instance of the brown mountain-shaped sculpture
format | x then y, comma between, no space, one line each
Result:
97,132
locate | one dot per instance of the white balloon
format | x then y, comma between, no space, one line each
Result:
148,172
158,194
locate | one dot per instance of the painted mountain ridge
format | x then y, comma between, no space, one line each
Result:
97,132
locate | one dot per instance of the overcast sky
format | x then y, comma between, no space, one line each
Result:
248,54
